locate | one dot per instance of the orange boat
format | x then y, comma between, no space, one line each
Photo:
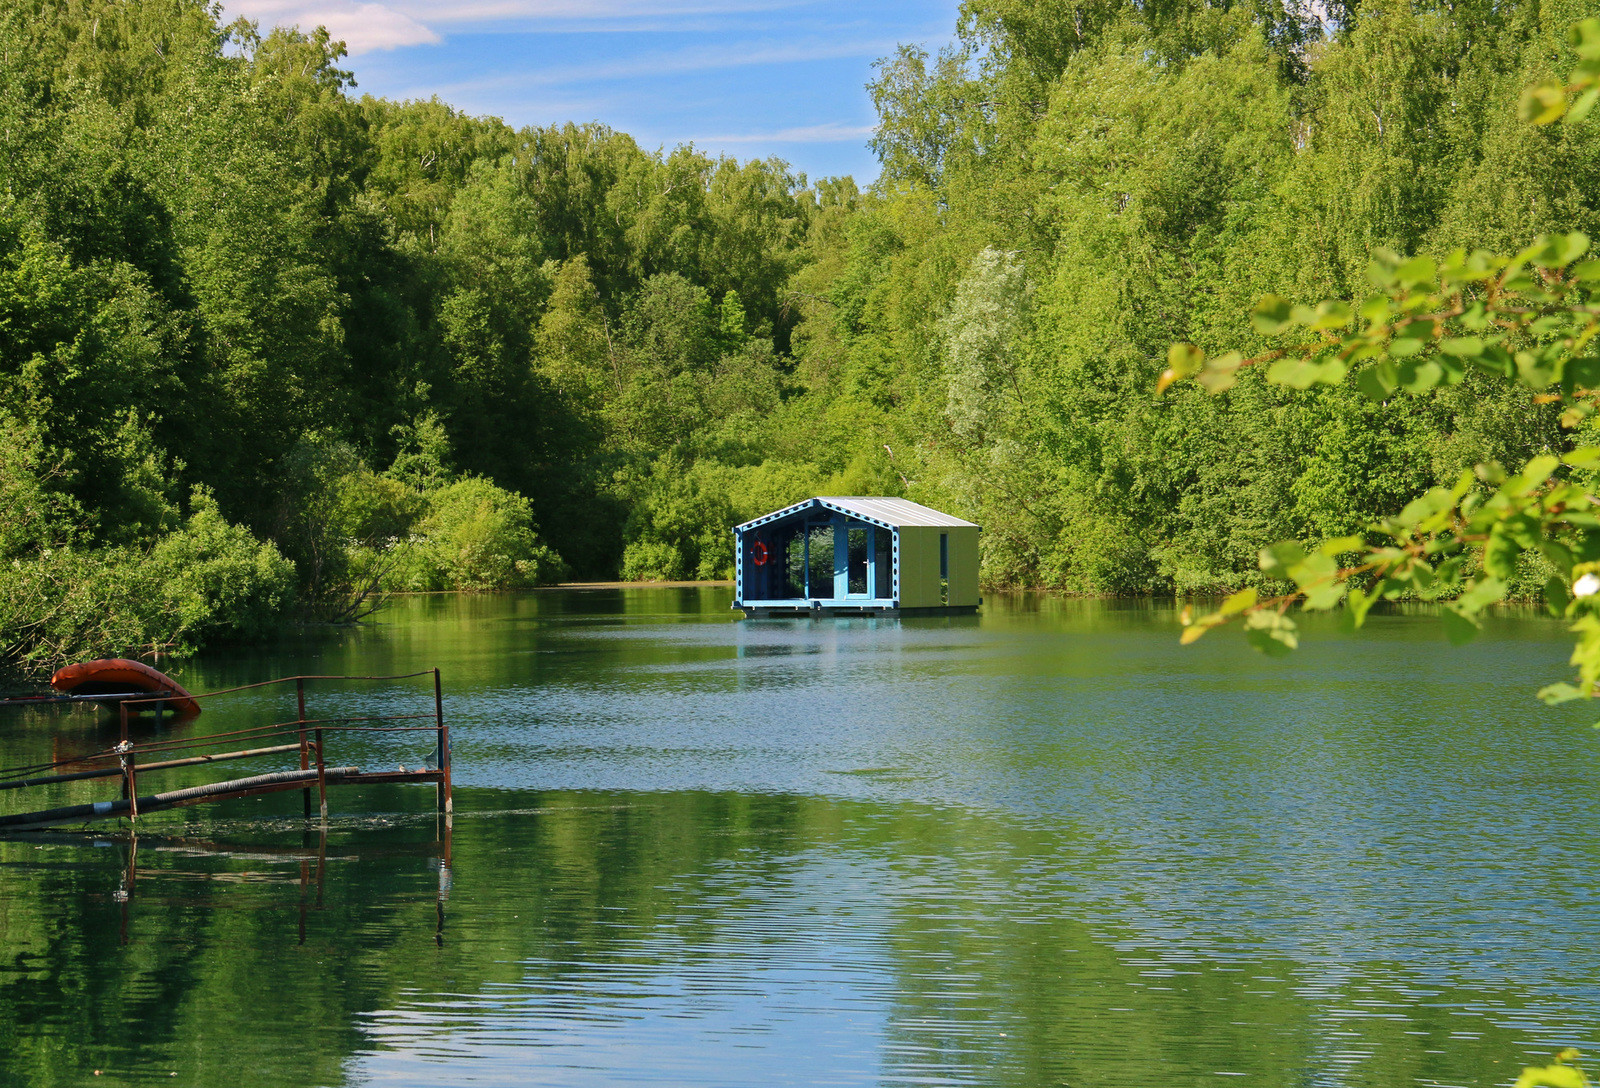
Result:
114,676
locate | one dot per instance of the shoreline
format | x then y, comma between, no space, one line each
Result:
635,585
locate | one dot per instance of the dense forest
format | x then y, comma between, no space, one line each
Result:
270,348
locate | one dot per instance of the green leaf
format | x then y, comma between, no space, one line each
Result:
1332,370
1583,371
1238,602
1584,37
1435,500
1331,315
1295,373
1536,372
1500,554
1481,594
1377,382
1361,602
1417,272
1559,556
1325,595
1556,694
1525,529
1402,347
1542,103
1341,545
1314,568
1220,372
1583,457
1419,377
1556,596
1459,627
1381,269
1420,575
1582,106
1273,633
1466,347
1277,559
1532,476
1556,250
1496,360
1185,359
1271,315
1304,373
1551,1076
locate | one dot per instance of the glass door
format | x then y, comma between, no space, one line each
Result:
858,542
820,563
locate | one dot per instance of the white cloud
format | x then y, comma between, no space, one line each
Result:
830,133
470,11
365,27
682,62
362,27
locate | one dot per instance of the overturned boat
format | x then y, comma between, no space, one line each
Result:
115,680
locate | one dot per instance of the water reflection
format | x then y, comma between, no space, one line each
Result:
1041,846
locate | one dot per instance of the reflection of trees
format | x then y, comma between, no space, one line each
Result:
219,963
258,964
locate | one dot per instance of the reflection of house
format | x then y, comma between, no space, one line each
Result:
856,555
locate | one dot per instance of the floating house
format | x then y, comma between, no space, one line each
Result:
855,555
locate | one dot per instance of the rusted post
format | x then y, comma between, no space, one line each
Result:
130,784
322,777
442,791
305,756
122,708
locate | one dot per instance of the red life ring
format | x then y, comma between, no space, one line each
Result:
758,553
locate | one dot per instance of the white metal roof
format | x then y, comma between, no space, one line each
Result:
882,511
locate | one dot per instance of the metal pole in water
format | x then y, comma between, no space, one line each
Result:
443,792
305,756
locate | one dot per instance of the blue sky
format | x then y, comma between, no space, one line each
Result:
751,78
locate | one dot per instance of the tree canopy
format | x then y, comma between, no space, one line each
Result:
234,288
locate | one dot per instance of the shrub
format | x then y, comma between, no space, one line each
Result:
475,535
206,581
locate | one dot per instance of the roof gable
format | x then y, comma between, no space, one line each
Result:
889,512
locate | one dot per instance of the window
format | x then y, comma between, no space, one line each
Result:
944,568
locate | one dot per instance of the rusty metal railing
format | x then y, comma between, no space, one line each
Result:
304,735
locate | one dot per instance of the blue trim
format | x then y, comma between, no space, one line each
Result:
807,505
821,602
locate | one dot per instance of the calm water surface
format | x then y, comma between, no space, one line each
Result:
1043,846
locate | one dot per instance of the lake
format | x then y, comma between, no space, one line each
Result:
1040,846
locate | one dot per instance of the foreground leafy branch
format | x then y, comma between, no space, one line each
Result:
1532,319
1562,1072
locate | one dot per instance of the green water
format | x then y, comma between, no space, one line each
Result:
1042,846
